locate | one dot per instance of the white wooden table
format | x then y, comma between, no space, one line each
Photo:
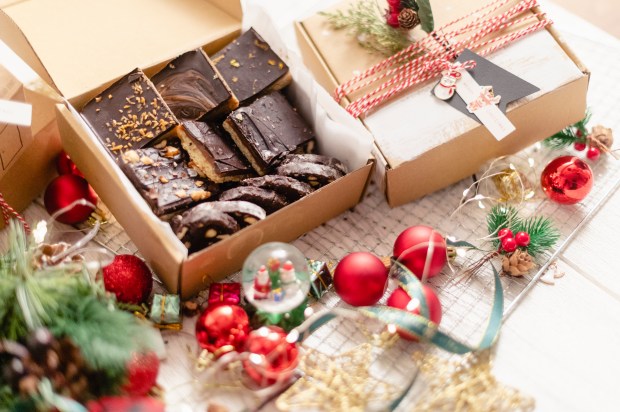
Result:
560,344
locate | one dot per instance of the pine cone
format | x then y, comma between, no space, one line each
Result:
408,19
518,263
601,137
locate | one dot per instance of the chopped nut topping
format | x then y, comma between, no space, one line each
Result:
218,59
235,79
261,45
234,63
271,62
131,156
147,160
171,151
181,194
109,96
239,116
199,183
164,180
97,99
198,195
211,233
280,65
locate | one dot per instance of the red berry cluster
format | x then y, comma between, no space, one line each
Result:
391,15
509,243
593,152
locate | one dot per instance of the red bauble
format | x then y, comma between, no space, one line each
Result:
222,328
142,372
522,239
421,248
399,299
579,146
129,278
272,358
63,191
509,244
593,153
126,404
567,180
65,166
360,279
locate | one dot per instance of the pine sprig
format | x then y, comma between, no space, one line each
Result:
365,20
543,235
500,217
572,134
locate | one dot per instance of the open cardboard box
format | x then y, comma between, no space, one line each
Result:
422,144
81,47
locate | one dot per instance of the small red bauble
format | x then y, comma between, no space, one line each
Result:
567,180
522,239
222,328
422,250
509,244
579,146
360,279
63,191
272,358
593,153
399,299
65,166
129,278
142,373
503,233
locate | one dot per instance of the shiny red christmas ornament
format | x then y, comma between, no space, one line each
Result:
522,239
400,299
126,404
129,278
272,357
360,279
65,166
222,328
142,372
422,250
567,180
63,191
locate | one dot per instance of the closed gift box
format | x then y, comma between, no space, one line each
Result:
421,143
83,46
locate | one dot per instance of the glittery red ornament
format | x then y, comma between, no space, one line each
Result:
360,279
63,191
125,404
222,328
272,358
142,372
129,278
399,299
422,250
567,180
65,166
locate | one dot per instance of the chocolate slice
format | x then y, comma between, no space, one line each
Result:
164,180
267,199
199,227
267,130
130,114
291,189
245,213
193,89
251,68
316,175
318,159
213,153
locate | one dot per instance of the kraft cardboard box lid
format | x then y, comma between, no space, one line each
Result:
84,44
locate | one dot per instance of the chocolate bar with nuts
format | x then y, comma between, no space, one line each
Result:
213,153
129,115
251,68
245,213
291,189
267,130
193,88
315,170
164,180
200,228
269,200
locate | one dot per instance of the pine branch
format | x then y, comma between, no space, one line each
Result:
365,20
500,217
570,135
543,235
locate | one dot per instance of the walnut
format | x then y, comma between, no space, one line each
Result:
518,263
408,19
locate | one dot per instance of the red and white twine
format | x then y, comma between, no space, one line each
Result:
8,212
429,57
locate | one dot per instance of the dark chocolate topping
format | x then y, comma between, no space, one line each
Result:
245,213
267,199
288,187
190,86
318,159
316,175
130,114
249,66
199,228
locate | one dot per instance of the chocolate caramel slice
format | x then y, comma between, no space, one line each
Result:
291,189
213,153
251,67
193,88
128,115
267,130
199,228
245,213
269,200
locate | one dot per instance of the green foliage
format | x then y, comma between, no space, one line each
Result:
425,13
409,4
574,133
543,235
365,20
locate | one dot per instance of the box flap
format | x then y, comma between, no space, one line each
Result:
110,38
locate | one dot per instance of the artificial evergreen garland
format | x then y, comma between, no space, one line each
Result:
575,133
64,299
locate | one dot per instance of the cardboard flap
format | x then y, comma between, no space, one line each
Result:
86,43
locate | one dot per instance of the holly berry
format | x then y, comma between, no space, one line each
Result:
509,244
593,153
522,239
579,133
579,146
504,233
392,19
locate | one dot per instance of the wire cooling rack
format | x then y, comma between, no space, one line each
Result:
372,226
